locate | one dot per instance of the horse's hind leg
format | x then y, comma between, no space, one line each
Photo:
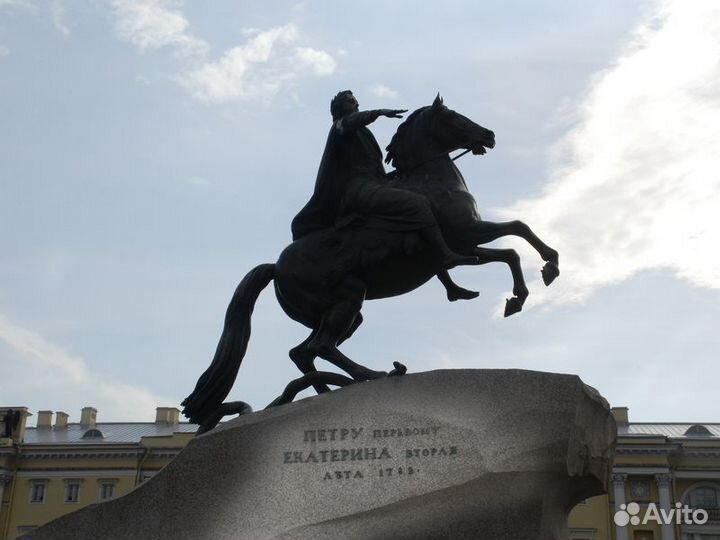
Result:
304,359
338,323
325,346
357,321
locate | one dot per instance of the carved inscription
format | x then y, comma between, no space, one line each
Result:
346,454
357,453
331,434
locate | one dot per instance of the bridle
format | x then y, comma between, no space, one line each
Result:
430,160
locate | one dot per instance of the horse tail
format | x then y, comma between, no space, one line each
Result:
215,383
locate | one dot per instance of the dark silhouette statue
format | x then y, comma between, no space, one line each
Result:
352,184
364,236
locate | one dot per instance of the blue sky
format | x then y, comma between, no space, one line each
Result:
152,152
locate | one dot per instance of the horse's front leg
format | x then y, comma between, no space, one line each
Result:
487,231
512,259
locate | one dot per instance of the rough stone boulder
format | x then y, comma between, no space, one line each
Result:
456,454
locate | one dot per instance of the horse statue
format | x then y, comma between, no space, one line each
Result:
321,280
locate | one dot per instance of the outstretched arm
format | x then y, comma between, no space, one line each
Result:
362,118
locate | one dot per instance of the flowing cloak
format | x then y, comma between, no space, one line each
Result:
351,186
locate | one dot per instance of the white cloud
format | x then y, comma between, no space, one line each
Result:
58,13
257,69
319,61
382,91
636,184
235,75
38,372
153,24
4,51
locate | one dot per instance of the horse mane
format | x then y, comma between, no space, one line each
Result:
398,151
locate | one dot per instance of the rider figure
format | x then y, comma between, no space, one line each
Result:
351,182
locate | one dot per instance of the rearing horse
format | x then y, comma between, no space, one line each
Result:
322,279
420,153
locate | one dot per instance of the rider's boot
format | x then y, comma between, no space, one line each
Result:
453,290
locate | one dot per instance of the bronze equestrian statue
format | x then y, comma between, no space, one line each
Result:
364,236
352,184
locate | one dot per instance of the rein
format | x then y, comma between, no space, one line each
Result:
429,160
461,154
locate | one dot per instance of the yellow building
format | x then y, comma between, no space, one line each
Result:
658,466
57,467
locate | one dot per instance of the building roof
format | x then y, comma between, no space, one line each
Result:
109,433
670,430
132,432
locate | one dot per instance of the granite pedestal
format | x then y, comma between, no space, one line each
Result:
456,454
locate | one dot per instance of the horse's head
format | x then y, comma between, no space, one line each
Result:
433,131
452,131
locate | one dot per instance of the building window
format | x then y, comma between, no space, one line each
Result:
107,490
640,491
704,497
93,433
38,491
72,492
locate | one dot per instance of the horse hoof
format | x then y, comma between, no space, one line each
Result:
512,306
400,369
549,272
